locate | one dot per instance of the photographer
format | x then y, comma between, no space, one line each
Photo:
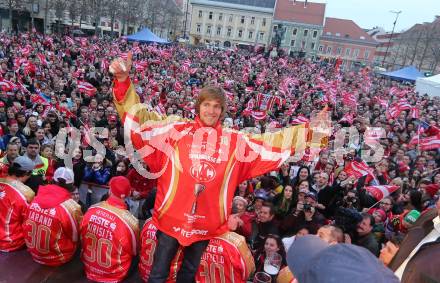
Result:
305,215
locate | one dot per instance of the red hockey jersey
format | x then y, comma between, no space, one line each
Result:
109,235
200,167
52,226
14,202
226,259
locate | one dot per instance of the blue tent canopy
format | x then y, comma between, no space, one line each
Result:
409,73
145,35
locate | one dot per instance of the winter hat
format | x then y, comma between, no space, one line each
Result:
120,187
432,189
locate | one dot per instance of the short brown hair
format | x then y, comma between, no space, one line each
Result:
211,93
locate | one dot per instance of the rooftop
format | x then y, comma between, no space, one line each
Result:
300,12
345,29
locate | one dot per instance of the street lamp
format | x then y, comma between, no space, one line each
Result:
391,36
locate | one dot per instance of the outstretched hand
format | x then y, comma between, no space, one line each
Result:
120,68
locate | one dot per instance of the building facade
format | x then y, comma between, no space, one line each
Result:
302,24
383,55
346,40
418,46
231,23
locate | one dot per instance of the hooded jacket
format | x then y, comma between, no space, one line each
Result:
52,225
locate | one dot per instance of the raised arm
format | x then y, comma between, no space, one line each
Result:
126,100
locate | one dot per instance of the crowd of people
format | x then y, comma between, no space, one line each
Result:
52,83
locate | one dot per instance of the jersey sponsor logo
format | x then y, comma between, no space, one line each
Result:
203,171
2,194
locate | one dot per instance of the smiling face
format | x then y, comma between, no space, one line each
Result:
210,112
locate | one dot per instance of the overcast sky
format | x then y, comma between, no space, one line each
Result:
370,13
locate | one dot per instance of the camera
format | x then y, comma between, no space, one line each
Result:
307,207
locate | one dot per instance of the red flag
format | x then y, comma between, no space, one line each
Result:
380,192
430,143
300,119
415,113
42,59
349,99
87,88
348,118
259,115
178,86
358,169
69,40
6,85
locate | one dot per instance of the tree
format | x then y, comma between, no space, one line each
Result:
73,8
59,7
113,9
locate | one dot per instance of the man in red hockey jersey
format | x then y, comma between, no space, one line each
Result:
52,223
109,235
14,202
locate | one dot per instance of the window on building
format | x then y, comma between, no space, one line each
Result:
366,54
362,37
240,33
328,33
199,26
231,17
338,34
321,48
219,30
200,13
210,15
303,45
242,20
347,52
306,32
292,43
261,36
312,46
228,33
356,53
315,33
264,22
295,30
220,17
251,34
329,49
208,30
252,20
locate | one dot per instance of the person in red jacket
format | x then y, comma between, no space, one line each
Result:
200,164
109,235
14,203
52,223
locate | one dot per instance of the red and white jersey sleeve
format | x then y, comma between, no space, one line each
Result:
109,238
14,202
52,234
148,247
226,259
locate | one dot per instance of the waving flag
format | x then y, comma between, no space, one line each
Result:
25,51
415,113
380,192
259,115
394,91
348,118
349,99
6,85
42,59
430,143
105,65
300,119
358,169
178,86
87,88
69,40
